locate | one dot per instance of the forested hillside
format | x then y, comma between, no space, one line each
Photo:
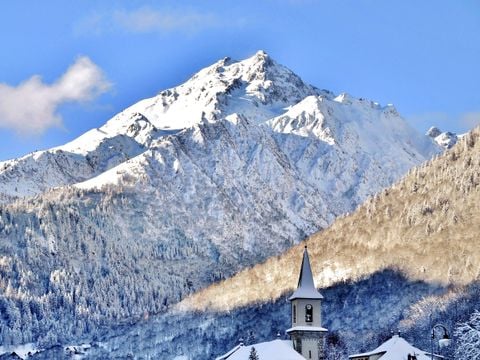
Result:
358,314
425,226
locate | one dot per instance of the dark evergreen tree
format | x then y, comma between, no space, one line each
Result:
253,354
250,338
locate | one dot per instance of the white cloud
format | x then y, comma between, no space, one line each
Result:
94,24
144,20
461,122
154,20
31,107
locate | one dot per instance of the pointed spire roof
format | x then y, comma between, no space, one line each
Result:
306,287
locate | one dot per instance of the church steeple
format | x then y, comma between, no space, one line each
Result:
307,332
306,287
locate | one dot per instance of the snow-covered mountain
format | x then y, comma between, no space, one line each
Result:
258,88
425,226
444,139
178,191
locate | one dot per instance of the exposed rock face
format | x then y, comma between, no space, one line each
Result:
444,139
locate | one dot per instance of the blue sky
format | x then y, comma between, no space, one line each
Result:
67,67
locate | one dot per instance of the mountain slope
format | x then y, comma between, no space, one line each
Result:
42,170
257,87
426,226
236,165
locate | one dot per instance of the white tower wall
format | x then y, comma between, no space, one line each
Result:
307,333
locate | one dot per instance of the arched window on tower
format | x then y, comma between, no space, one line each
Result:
294,313
308,313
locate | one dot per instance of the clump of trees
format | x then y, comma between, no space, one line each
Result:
468,338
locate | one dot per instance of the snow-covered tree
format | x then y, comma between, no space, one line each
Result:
250,338
253,354
468,335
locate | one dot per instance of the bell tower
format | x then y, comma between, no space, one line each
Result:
307,332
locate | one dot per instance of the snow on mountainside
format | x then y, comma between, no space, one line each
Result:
444,139
333,159
425,226
360,142
257,87
41,170
235,165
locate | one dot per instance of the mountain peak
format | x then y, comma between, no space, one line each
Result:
444,139
257,89
433,132
261,57
262,66
261,53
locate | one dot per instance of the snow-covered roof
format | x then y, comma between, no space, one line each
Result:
306,328
397,348
276,349
22,351
229,353
306,287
